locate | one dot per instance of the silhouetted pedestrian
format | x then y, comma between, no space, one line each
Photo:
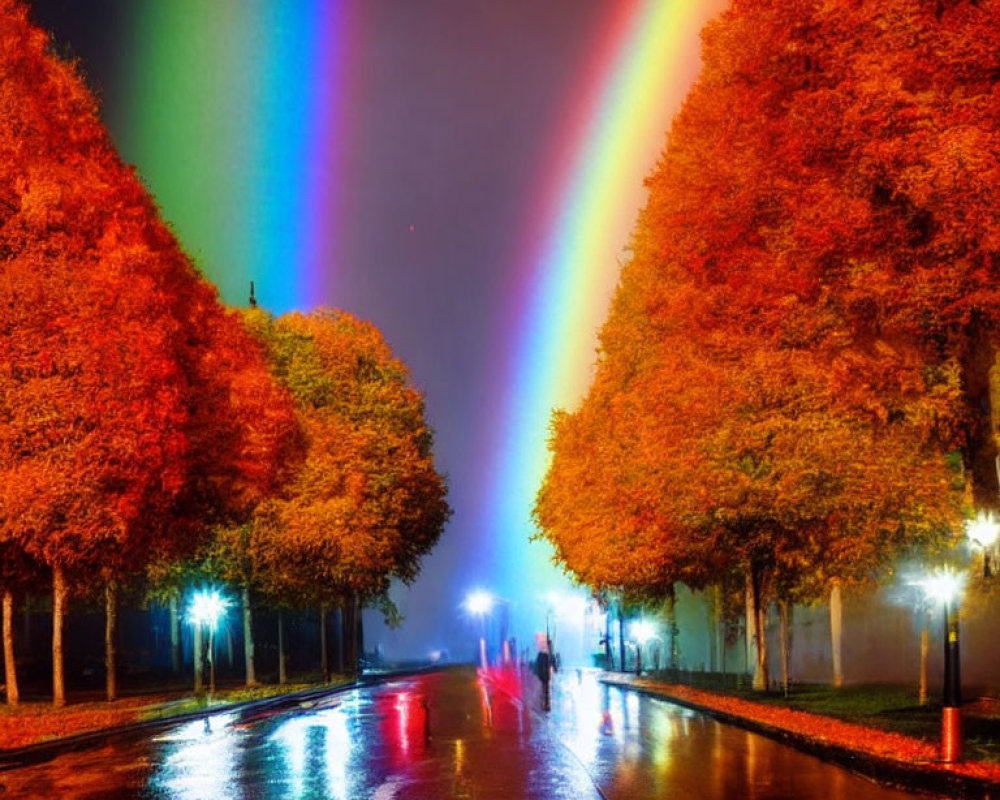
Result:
543,669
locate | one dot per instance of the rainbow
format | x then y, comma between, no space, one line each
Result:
199,89
263,94
570,254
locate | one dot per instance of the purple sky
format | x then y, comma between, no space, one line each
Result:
462,102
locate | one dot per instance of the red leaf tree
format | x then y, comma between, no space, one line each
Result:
803,332
129,399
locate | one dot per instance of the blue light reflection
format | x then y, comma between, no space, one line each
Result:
200,761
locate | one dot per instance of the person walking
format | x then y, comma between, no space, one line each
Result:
544,667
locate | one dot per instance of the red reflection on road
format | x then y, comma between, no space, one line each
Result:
404,725
502,695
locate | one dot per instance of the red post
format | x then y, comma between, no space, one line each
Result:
951,710
951,734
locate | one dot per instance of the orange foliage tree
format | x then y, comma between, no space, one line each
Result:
367,502
797,342
129,399
19,574
244,444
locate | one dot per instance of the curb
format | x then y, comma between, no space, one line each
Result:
886,771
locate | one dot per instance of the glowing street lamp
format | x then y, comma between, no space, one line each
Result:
206,608
569,608
479,604
642,631
982,533
945,586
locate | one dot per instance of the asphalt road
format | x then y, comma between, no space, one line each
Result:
453,734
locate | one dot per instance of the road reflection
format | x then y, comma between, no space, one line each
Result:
638,747
200,760
457,734
314,751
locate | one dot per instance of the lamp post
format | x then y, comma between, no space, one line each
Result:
206,608
642,631
945,586
566,612
479,604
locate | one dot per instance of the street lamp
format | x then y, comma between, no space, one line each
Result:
479,604
944,586
982,533
570,610
642,631
205,609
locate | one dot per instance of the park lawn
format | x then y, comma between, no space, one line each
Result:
895,709
889,708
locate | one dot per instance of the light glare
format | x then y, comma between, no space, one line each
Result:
983,530
479,603
943,585
206,607
643,630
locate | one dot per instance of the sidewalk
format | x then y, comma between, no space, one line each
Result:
891,758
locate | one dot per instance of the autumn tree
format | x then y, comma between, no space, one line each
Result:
367,502
828,315
19,574
245,444
850,200
92,393
131,404
861,176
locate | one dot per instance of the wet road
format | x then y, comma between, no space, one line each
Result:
450,735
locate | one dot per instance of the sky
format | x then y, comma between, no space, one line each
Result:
463,173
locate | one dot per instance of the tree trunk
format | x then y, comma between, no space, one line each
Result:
339,639
609,662
722,651
978,363
110,627
925,643
784,617
58,616
324,655
675,647
621,637
350,634
713,629
282,667
10,665
836,633
211,660
761,678
248,642
175,634
196,654
360,633
749,625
